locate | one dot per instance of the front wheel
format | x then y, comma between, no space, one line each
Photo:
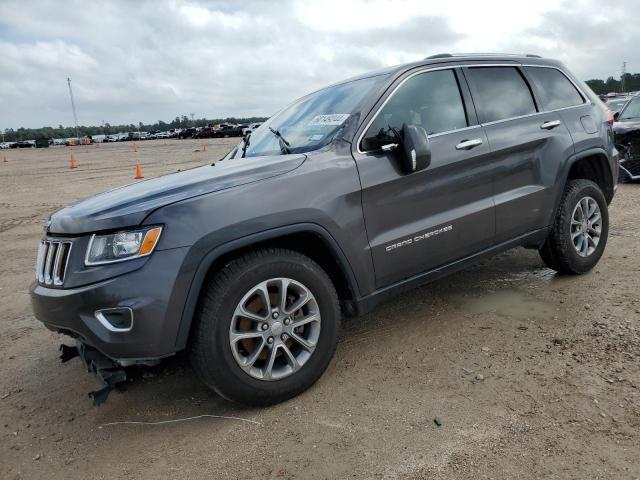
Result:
580,230
266,327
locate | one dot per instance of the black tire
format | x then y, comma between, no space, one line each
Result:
210,350
558,251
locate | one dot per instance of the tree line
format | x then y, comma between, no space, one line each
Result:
11,135
602,87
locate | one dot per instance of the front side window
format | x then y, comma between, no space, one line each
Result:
431,100
501,93
555,90
631,111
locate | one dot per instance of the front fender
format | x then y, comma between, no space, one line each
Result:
199,261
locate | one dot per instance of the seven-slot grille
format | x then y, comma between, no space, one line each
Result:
52,261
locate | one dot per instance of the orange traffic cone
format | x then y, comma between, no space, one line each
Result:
135,148
138,172
73,162
4,158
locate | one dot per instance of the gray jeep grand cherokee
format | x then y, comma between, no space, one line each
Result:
355,192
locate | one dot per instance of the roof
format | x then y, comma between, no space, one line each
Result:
444,58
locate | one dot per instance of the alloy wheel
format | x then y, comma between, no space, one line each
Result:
275,329
586,226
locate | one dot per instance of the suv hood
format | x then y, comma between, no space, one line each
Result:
129,205
626,126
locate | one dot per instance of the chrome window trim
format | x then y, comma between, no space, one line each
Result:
477,65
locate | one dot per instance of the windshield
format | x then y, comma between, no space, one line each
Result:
311,122
632,109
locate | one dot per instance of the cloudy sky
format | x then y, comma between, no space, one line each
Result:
133,61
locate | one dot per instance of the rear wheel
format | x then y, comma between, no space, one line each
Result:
266,327
580,230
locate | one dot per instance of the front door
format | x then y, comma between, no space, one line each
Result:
419,221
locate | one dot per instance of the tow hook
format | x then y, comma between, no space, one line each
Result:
109,373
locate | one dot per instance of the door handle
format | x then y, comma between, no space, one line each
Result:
550,124
469,144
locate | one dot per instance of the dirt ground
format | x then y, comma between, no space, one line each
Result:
531,374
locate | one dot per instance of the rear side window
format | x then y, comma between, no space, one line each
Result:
431,100
500,93
555,90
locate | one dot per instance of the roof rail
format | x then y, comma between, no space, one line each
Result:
487,54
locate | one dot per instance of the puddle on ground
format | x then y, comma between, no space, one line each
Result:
535,274
508,303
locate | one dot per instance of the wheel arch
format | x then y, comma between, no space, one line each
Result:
592,164
309,239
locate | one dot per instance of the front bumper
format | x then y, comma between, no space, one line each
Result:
149,292
631,167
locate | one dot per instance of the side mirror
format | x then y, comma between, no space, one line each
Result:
616,115
414,149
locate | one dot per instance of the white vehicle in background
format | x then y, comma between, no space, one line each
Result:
5,145
163,135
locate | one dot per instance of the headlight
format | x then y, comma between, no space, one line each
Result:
120,246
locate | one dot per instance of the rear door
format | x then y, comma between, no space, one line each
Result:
528,148
419,221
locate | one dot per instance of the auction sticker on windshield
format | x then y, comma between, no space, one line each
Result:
329,120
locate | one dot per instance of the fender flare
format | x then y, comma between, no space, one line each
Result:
212,255
564,173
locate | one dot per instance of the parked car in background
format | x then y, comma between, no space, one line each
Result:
229,131
187,132
626,131
78,141
206,132
616,104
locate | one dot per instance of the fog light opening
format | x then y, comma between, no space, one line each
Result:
118,319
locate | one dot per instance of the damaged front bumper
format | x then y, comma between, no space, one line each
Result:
110,374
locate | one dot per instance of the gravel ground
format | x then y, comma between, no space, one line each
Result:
528,374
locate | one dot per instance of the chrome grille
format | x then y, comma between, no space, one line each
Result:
51,264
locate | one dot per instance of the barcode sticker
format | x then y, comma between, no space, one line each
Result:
329,120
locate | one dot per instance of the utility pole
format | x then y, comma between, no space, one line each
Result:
622,77
73,107
192,115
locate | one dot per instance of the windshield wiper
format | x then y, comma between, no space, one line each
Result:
246,144
284,145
